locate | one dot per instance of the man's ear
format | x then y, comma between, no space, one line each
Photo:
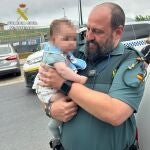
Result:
118,32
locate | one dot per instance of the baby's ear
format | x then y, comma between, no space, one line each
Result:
53,39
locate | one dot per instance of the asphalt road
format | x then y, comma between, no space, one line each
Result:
23,124
11,79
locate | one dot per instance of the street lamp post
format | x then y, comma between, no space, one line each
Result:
80,13
64,12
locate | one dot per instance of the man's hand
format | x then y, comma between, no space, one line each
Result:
63,110
49,77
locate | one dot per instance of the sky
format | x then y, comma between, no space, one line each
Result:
44,11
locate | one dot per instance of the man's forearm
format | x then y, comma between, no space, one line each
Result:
101,105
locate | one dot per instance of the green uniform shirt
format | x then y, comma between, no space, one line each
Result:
85,132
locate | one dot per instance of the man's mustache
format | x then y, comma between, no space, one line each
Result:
91,42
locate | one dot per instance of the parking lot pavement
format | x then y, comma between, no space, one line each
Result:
23,123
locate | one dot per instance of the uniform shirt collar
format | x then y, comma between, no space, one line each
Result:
118,50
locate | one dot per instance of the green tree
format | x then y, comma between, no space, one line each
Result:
142,18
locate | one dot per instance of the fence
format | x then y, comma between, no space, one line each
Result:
25,40
11,36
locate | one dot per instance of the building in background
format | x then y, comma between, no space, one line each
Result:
2,26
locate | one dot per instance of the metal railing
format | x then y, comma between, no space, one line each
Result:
10,36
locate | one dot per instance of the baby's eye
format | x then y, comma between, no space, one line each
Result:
73,39
66,38
69,38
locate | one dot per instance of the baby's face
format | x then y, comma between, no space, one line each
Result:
66,39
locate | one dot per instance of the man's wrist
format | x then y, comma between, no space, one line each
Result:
66,87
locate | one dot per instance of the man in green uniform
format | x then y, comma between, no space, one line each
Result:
107,102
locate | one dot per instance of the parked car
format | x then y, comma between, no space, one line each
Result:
134,30
130,38
31,66
9,60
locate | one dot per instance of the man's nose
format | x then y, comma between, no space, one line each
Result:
90,36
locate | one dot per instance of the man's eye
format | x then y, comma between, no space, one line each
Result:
97,31
94,30
88,29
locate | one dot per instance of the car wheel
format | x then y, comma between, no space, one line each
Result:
18,73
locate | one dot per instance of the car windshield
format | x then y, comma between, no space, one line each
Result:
40,47
4,50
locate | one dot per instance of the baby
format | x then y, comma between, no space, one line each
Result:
57,54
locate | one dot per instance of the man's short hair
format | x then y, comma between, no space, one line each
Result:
117,15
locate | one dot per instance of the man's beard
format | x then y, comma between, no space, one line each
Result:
99,51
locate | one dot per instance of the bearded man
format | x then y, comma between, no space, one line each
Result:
100,115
